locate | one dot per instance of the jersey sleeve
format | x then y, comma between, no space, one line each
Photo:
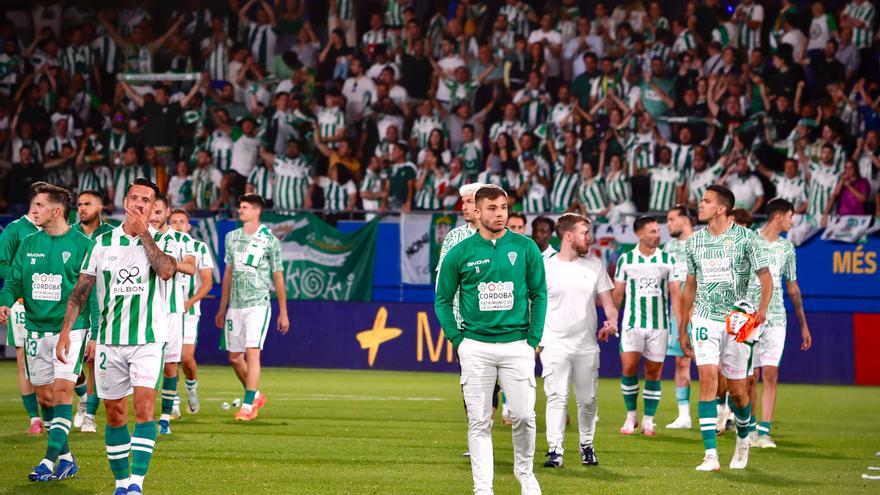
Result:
204,259
619,272
537,287
274,253
90,262
13,285
229,255
448,279
789,268
603,281
757,257
690,258
7,250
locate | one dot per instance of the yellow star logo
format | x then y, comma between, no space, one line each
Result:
374,337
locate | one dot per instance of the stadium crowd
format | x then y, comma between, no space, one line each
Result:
394,105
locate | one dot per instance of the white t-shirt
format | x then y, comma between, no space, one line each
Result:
746,191
244,154
553,37
447,64
572,288
548,253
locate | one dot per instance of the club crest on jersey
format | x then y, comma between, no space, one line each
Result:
65,256
728,244
512,257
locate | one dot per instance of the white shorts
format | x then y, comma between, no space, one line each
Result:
174,346
120,368
15,331
43,368
245,328
713,345
190,329
768,348
649,343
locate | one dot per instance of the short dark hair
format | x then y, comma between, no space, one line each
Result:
517,214
778,206
91,192
489,191
683,210
566,222
544,220
724,195
642,221
742,217
163,198
179,211
143,181
253,200
56,194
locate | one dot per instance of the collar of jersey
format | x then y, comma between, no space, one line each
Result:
498,242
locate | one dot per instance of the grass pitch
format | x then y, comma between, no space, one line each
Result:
357,432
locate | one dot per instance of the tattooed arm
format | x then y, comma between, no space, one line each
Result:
797,302
164,264
75,303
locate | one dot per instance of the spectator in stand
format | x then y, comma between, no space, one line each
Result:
851,192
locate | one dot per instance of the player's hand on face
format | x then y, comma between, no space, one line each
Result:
137,221
4,314
807,338
63,346
283,324
90,351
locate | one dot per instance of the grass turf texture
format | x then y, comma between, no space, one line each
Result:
357,432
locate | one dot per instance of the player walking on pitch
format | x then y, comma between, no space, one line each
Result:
44,272
503,298
181,250
253,265
720,260
89,205
132,277
569,350
645,279
767,352
681,226
10,239
195,288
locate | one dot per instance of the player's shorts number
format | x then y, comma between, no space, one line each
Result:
701,333
103,361
19,317
229,325
32,348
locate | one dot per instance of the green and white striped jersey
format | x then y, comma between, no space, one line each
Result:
823,180
336,195
602,86
261,178
452,238
426,198
749,39
646,280
460,92
262,39
684,42
725,34
676,248
722,266
862,37
472,158
330,121
373,38
374,182
533,108
132,298
682,157
512,128
793,190
253,258
345,9
291,185
106,53
95,178
217,63
565,187
178,245
422,129
591,195
665,181
700,181
138,59
449,182
536,198
123,176
517,17
77,60
617,188
190,284
206,186
782,262
394,14
220,145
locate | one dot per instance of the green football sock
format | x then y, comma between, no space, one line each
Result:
169,391
31,405
191,384
80,390
651,396
47,413
764,428
249,396
92,403
753,422
708,417
142,443
629,386
59,431
118,443
743,416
